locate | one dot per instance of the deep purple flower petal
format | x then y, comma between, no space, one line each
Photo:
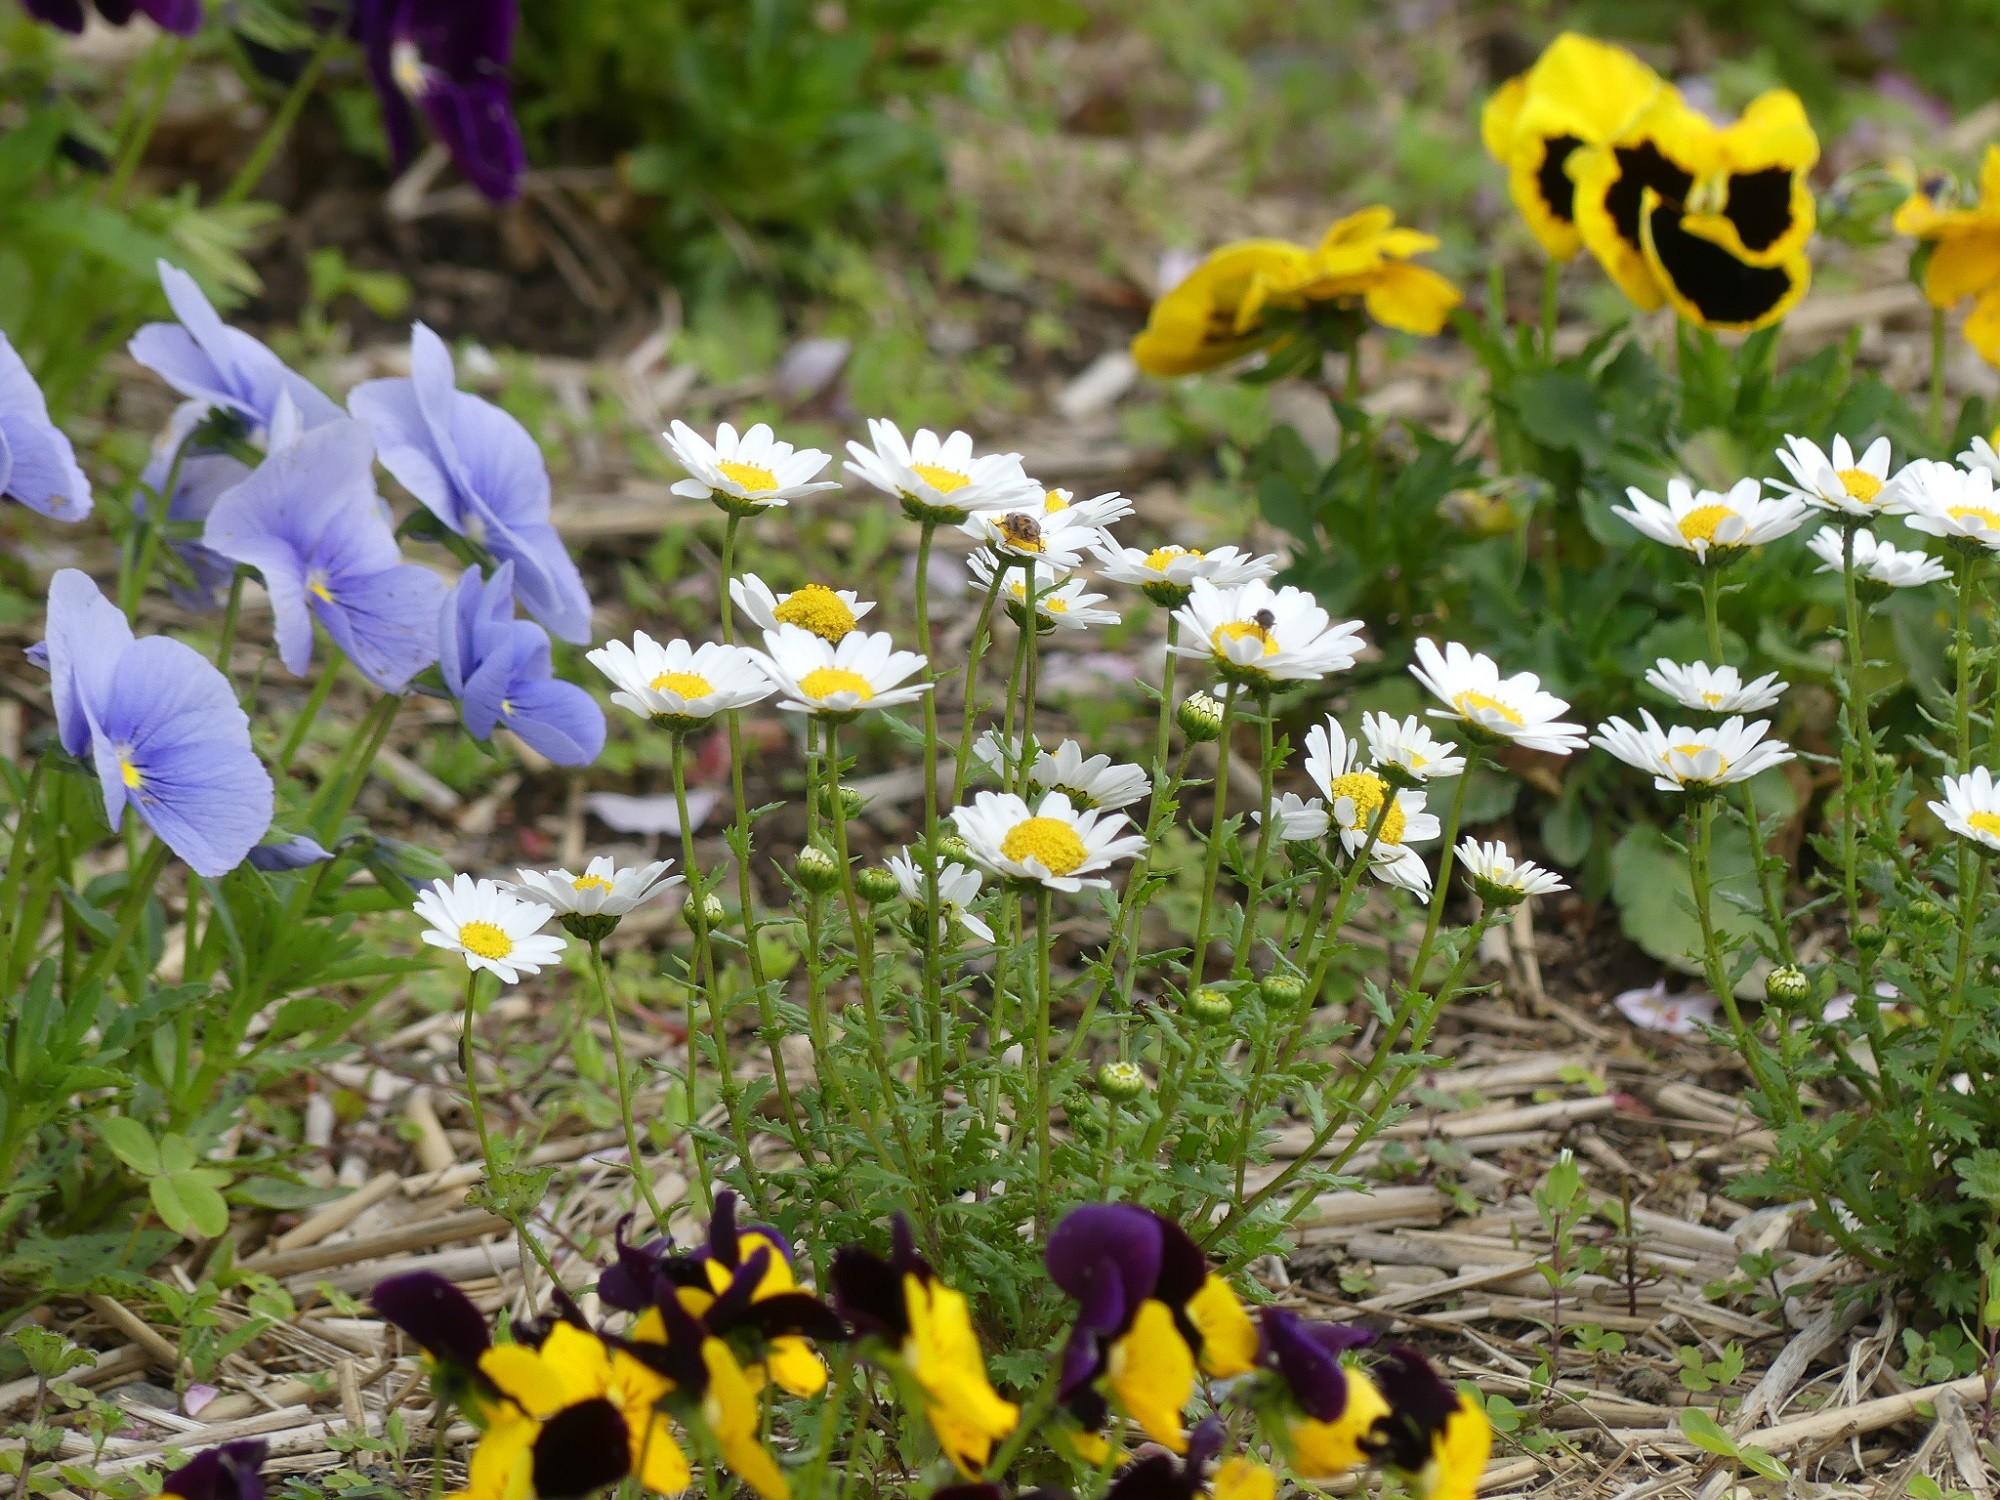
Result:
386,622
559,720
1121,1234
1310,1369
182,17
225,1473
38,465
66,14
86,635
441,1318
1420,1403
475,121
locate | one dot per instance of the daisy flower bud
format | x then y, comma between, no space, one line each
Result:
816,868
1788,986
1121,1080
1200,718
1285,990
1210,1006
876,885
711,909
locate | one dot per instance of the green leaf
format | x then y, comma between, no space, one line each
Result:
1559,409
1699,1428
1649,883
131,1142
188,1204
1757,1461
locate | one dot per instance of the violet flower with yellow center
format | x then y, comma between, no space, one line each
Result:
452,60
1332,1405
1149,1312
924,1328
502,673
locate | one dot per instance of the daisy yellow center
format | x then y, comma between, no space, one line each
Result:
1984,822
1471,704
752,477
1712,698
484,939
1050,842
1054,501
591,883
1056,606
683,684
821,683
127,772
944,481
1161,558
1691,750
819,609
1368,791
1859,484
1239,630
1699,524
1981,513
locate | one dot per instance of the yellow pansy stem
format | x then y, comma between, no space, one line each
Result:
698,966
861,926
316,700
1044,999
1260,859
625,1114
746,895
1937,374
1442,888
975,650
1172,1078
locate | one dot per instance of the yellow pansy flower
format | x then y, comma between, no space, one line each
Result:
1965,253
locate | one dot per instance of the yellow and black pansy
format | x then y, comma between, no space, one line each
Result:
1712,220
1149,1313
1964,258
924,1329
1434,1438
702,1380
1580,93
1330,1406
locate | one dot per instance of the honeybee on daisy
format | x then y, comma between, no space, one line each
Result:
1257,637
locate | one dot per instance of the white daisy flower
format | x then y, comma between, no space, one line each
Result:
679,685
1502,880
1943,501
1839,481
1511,708
1402,867
1971,807
1682,759
1175,567
1060,540
1101,511
1067,604
957,886
1407,747
1875,561
489,927
828,613
814,676
1354,798
1097,782
1715,690
1256,636
1653,1009
1052,845
1981,456
939,479
1299,820
748,473
1712,523
601,890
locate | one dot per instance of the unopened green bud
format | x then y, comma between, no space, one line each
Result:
1200,718
1212,1007
954,850
850,802
1925,912
592,927
1282,990
1121,1080
1868,938
817,869
876,885
1788,986
711,909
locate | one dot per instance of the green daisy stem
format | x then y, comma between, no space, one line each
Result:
975,652
1442,889
698,967
1937,373
1044,1000
1968,565
1028,689
1259,860
624,1073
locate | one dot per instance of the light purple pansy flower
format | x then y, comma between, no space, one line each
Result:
37,464
161,726
451,58
480,473
206,360
499,670
311,524
205,476
182,17
298,852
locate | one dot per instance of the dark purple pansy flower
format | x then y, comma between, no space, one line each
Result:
1307,1356
206,360
311,524
161,726
225,1473
480,473
437,1315
868,1290
37,464
452,58
1421,1406
1111,1257
182,17
500,671
1163,1477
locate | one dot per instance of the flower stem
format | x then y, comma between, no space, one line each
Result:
1044,1163
625,1114
1937,373
699,965
975,651
1442,889
268,145
1267,756
315,701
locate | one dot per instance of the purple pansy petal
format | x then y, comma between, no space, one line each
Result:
557,719
403,443
225,1473
546,582
182,17
1312,1370
321,484
38,465
66,14
86,634
1123,1234
479,705
294,853
386,622
475,121
441,1318
207,360
457,68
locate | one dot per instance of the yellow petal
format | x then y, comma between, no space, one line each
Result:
1502,112
730,1409
1458,1455
521,1374
1245,1479
658,1460
1358,228
777,1275
1322,1450
1982,326
1962,265
1413,298
581,1360
1588,88
942,1351
1989,179
795,1366
1228,1336
1772,132
503,1463
1195,326
1152,1373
